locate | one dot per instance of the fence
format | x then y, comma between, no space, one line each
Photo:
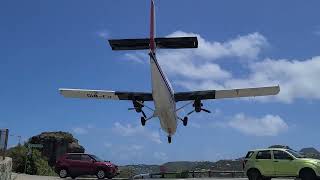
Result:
193,174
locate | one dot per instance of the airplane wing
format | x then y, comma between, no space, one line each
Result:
103,94
231,93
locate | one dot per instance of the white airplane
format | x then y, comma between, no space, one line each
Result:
162,95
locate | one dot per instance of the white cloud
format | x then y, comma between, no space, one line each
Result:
198,69
103,34
135,147
195,125
247,47
137,57
107,145
297,79
80,131
83,130
129,131
269,125
196,63
317,31
160,156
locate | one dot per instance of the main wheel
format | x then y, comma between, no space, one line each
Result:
254,175
143,121
63,173
169,139
185,121
101,174
308,174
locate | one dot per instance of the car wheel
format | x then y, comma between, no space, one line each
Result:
307,174
109,177
101,174
254,175
63,173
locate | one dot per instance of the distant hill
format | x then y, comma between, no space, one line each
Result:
309,150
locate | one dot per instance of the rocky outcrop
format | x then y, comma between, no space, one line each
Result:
56,144
5,168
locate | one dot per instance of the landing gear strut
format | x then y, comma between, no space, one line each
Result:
169,139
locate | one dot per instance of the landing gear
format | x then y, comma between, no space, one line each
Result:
143,121
169,139
185,121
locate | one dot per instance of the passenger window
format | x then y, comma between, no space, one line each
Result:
74,157
85,158
264,155
281,155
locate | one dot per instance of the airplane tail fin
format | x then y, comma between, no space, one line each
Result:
153,43
152,28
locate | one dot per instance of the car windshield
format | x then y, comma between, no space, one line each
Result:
96,158
295,153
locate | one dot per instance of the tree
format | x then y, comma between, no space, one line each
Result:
36,164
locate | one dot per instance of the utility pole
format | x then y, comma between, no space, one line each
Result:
19,138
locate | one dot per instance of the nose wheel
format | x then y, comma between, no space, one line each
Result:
185,121
169,139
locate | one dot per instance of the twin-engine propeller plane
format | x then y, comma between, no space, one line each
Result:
162,93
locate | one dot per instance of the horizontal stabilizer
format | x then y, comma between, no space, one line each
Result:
163,43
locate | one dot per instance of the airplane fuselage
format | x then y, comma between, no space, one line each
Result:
163,96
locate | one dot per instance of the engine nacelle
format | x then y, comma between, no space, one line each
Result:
138,106
197,105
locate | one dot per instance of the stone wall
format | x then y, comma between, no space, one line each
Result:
5,168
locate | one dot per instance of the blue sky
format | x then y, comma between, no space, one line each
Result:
46,45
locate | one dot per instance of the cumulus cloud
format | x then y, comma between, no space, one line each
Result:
269,125
107,145
135,147
103,34
80,131
298,79
196,63
247,47
200,69
129,131
317,31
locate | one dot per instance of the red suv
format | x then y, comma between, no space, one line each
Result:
77,164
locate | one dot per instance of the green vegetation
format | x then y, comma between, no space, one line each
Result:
36,164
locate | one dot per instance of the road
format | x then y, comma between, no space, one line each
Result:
29,177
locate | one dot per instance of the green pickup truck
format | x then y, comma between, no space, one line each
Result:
264,164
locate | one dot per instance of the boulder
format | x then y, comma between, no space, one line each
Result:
56,144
